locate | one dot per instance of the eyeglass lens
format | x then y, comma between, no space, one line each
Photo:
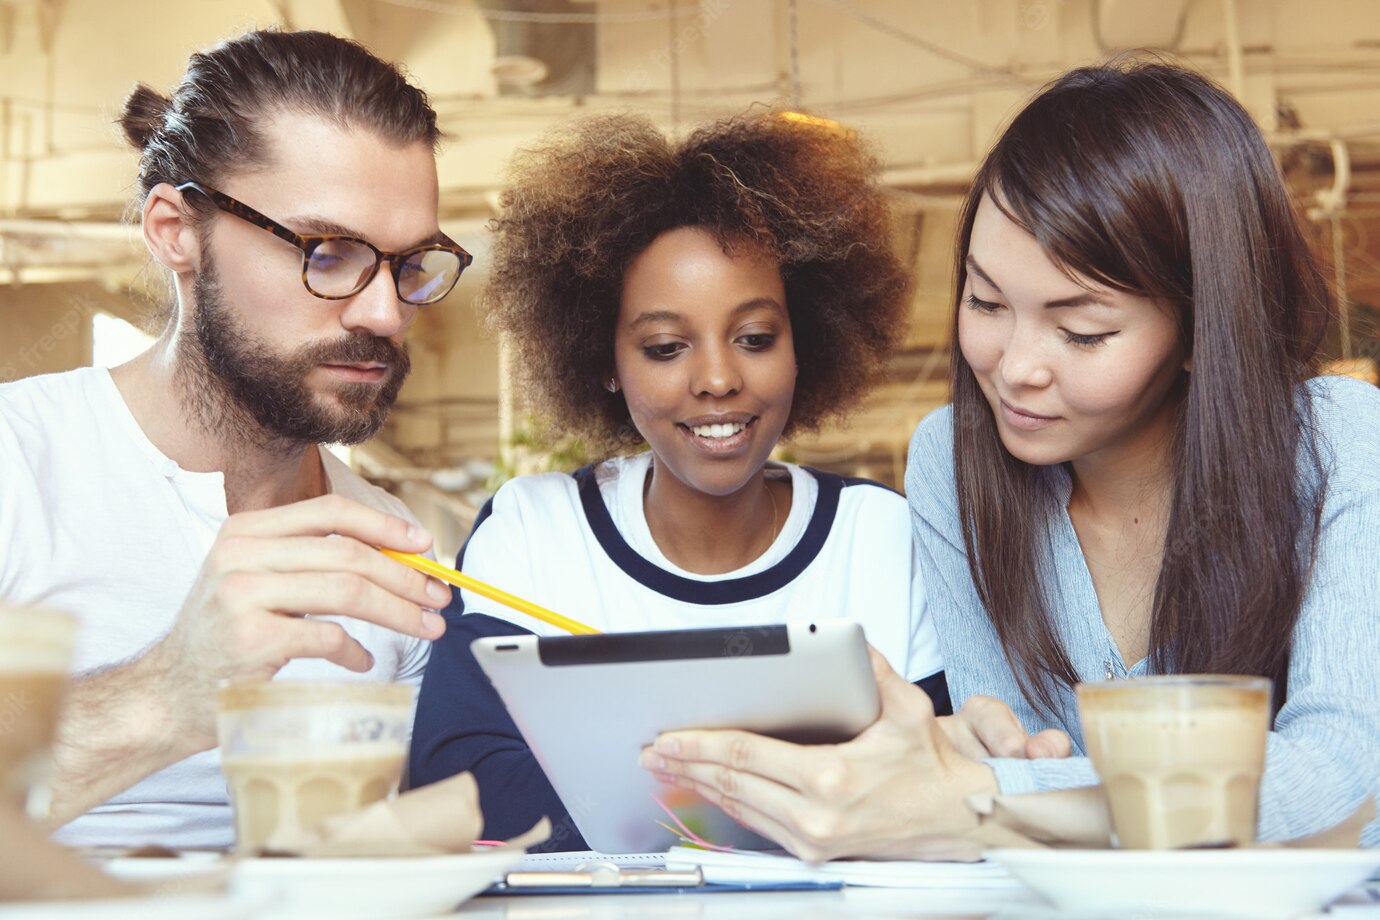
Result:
339,268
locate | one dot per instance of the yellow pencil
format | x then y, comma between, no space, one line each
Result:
461,580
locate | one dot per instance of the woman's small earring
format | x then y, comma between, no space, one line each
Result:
611,385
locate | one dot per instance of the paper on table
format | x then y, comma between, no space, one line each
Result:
739,866
435,820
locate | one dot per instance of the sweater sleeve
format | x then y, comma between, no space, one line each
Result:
1323,757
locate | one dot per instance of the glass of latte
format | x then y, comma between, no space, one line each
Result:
1179,756
294,753
35,658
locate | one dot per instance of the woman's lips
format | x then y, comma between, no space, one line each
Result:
720,446
1023,420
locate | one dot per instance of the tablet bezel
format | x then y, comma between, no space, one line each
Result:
587,705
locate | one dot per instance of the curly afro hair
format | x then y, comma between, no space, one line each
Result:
585,202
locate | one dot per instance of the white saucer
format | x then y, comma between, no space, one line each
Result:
176,888
363,889
1257,883
154,907
160,870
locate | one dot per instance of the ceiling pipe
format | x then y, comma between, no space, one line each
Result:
1236,69
1330,206
82,230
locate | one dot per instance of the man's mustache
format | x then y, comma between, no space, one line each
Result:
368,349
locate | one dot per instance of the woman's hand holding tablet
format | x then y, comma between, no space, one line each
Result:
818,804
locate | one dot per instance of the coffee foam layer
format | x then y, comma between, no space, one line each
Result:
1160,698
288,694
1213,718
35,641
313,755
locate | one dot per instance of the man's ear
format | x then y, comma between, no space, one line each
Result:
168,231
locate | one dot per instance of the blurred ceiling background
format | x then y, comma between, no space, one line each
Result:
929,81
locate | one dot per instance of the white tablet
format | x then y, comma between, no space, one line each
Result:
588,705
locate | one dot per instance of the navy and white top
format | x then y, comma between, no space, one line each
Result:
579,544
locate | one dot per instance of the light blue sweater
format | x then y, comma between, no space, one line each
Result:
1324,756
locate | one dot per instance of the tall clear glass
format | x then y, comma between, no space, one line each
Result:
35,660
294,753
1180,756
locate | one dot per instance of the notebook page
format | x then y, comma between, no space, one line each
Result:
738,866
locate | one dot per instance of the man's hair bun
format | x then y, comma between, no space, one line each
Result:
142,115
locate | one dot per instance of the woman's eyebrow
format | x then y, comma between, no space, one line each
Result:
670,316
1087,298
656,316
757,303
1090,298
976,269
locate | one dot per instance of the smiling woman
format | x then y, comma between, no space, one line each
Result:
1025,323
586,203
704,299
1141,473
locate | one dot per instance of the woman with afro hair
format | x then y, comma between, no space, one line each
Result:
683,306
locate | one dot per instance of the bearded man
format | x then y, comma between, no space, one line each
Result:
181,505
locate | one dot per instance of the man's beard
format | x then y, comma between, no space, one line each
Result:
238,387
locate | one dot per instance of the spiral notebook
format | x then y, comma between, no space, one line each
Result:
558,862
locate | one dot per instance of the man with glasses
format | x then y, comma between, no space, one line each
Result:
181,504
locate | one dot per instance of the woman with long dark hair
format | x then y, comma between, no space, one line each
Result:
1139,474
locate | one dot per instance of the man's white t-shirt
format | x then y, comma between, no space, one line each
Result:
96,521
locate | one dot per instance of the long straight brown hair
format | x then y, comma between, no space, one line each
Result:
1150,179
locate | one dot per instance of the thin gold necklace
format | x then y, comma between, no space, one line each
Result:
775,514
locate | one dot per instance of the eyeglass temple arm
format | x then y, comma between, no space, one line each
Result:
245,212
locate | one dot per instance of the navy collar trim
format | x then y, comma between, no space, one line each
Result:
726,591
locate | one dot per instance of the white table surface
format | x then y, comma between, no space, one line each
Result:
891,903
935,903
882,903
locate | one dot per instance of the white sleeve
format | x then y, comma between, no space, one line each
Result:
413,652
887,579
416,651
412,664
925,656
498,552
14,474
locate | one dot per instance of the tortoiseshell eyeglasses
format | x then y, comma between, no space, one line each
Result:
336,266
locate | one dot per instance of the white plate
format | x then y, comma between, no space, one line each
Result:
156,907
363,889
178,888
1262,883
160,870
